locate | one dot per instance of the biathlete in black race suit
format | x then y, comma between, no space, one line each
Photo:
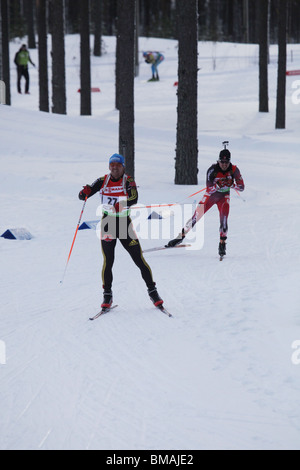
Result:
221,177
118,192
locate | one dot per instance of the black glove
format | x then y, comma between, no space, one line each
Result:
85,192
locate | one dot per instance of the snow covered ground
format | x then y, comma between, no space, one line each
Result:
224,373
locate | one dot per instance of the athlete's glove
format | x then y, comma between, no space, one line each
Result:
237,187
119,206
85,192
229,182
211,189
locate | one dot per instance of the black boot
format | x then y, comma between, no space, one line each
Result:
107,299
176,240
222,247
154,296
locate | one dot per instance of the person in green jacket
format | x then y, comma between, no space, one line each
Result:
22,58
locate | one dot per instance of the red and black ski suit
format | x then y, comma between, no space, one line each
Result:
117,196
218,185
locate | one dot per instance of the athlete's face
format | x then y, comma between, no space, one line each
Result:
224,165
116,170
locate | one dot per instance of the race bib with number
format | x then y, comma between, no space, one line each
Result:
111,194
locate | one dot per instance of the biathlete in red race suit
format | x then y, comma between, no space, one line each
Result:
118,192
221,177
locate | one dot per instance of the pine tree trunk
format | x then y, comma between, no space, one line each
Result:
97,28
118,62
58,58
5,50
41,6
187,119
29,5
281,77
126,32
85,60
136,39
263,56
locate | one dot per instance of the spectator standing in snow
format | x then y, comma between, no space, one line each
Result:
22,58
153,58
221,177
118,193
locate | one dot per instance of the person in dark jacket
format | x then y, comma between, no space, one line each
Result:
221,177
118,193
22,58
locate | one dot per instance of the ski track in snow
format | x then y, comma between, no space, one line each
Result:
218,375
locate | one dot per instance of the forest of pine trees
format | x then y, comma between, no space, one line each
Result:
218,20
250,21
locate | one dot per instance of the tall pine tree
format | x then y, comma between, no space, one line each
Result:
263,56
59,100
187,116
97,19
281,75
125,80
41,6
85,60
5,49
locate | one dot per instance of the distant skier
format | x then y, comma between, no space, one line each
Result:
153,58
21,60
118,192
221,177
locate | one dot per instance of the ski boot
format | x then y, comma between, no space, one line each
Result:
155,78
154,296
107,299
176,240
222,247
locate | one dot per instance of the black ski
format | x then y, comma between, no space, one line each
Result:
157,248
107,309
102,311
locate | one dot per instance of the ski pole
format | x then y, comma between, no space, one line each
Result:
239,194
203,189
74,239
169,205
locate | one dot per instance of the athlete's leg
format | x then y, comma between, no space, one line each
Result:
204,205
223,206
108,251
108,244
130,242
